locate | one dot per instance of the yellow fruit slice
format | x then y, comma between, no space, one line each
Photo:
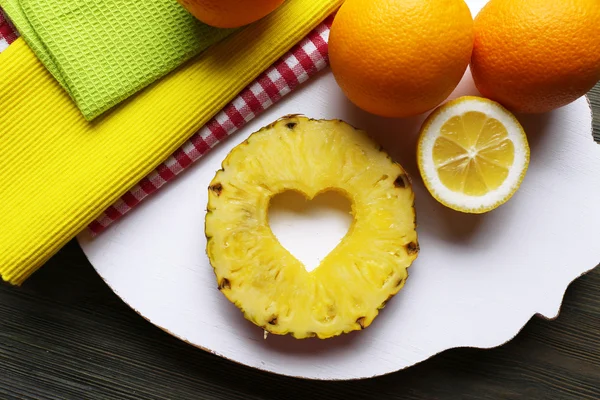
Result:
271,287
473,154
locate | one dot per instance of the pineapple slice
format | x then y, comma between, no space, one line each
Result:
255,272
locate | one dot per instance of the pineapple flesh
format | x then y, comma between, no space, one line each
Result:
369,266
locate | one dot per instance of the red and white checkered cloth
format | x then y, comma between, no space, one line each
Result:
303,61
8,33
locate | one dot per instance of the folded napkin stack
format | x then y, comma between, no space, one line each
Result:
58,170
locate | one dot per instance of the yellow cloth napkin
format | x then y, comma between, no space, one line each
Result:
58,172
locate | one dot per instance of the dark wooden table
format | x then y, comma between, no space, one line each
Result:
66,335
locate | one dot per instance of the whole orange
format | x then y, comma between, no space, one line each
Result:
536,55
230,13
398,58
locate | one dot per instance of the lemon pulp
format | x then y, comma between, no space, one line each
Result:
473,154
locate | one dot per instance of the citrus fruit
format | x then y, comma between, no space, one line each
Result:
230,13
254,271
472,154
400,58
537,55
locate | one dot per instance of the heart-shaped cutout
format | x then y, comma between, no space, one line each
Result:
310,229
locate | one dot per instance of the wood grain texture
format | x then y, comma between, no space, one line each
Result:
66,335
594,97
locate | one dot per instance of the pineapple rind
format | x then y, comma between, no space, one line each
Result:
367,268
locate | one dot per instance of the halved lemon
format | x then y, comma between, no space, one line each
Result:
473,154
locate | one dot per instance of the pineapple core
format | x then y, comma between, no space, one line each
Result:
256,273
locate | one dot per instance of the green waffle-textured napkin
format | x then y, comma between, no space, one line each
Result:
103,51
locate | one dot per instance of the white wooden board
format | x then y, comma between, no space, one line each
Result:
477,281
